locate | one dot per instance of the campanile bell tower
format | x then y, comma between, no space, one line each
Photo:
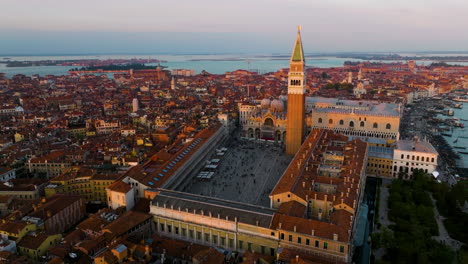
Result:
296,98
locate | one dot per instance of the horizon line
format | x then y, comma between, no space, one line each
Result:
233,53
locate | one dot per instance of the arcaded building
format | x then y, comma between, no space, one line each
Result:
370,119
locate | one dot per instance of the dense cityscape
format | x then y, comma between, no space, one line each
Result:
131,161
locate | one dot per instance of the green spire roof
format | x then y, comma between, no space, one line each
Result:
298,53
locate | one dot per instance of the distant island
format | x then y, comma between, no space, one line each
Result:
113,67
82,63
373,63
398,57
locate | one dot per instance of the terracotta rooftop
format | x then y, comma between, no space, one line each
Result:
209,256
329,168
54,205
33,242
13,227
126,222
162,166
52,157
306,226
120,187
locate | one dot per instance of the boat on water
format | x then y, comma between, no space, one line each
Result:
458,147
455,141
460,99
446,134
463,152
459,106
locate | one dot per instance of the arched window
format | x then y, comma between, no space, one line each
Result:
341,122
388,126
268,122
351,124
295,82
375,125
320,120
330,121
362,123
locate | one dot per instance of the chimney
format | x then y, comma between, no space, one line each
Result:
294,228
279,225
335,237
297,258
313,232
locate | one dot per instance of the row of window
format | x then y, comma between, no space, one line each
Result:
295,82
379,166
307,242
213,239
417,158
351,123
406,169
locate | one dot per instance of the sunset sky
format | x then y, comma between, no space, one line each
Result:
241,26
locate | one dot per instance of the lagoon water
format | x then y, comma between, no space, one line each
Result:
459,136
216,64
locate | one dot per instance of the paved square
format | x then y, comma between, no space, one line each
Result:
246,173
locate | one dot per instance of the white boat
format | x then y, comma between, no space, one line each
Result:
460,99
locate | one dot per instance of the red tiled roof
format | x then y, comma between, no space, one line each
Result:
120,187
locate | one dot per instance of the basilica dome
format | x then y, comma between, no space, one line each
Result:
277,106
265,104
